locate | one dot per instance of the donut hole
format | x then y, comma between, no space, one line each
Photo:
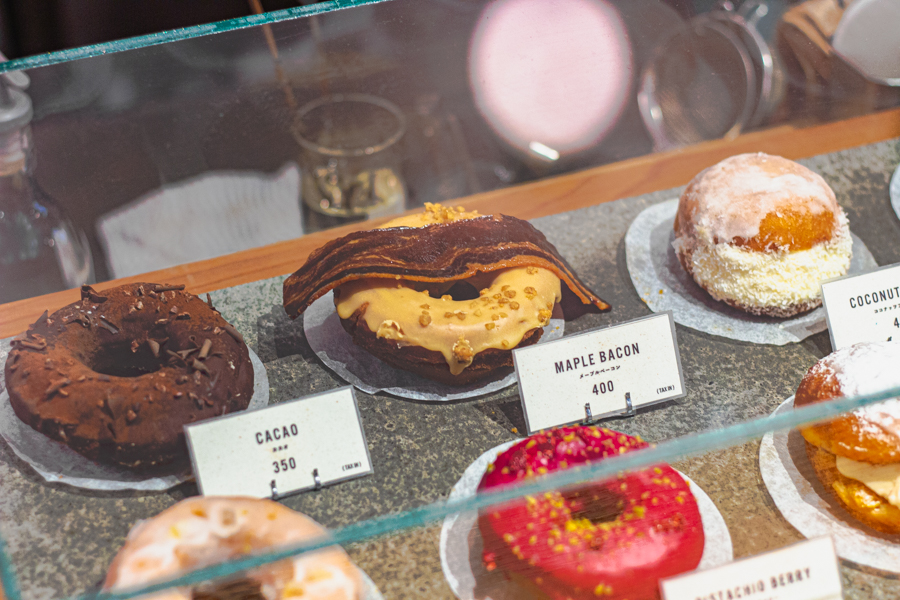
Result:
596,505
459,291
117,360
243,588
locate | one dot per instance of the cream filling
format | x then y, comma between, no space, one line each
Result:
516,301
769,279
884,480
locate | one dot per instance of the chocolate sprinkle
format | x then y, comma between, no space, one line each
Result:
200,366
233,333
57,388
168,288
89,293
108,325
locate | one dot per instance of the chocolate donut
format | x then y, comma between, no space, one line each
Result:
116,375
445,294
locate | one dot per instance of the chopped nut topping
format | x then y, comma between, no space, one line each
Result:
483,292
514,305
424,320
544,316
530,292
446,297
425,306
510,293
448,314
502,301
462,351
390,330
495,317
503,315
504,344
477,312
489,326
497,296
531,270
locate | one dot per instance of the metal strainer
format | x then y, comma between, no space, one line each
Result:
699,85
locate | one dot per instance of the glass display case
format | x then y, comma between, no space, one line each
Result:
204,166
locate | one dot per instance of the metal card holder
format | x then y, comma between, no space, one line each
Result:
629,411
316,480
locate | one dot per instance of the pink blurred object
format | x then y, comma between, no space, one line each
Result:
551,77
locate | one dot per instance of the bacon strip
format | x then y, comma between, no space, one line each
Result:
436,253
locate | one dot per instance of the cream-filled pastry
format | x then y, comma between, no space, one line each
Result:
760,233
856,456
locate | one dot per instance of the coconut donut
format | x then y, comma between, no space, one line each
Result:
116,375
446,294
613,539
760,233
856,455
203,531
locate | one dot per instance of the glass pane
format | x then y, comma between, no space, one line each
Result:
152,153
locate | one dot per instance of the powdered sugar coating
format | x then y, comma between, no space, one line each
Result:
867,368
730,199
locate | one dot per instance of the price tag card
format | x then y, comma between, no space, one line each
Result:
863,308
281,449
804,571
600,372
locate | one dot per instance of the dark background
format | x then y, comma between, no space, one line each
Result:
29,27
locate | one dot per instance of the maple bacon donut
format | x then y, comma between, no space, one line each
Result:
116,375
856,455
760,233
446,294
203,531
613,538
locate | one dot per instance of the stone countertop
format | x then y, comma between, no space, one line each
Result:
61,539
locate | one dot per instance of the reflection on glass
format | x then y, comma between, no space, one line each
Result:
553,76
350,160
40,250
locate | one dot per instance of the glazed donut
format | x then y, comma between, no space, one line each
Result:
116,375
446,294
202,531
760,233
856,455
615,538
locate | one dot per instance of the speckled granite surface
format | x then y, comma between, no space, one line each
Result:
61,539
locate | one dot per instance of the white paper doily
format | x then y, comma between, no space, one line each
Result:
336,349
809,507
370,590
461,541
663,284
57,463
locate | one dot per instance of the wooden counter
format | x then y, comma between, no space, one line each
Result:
549,196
